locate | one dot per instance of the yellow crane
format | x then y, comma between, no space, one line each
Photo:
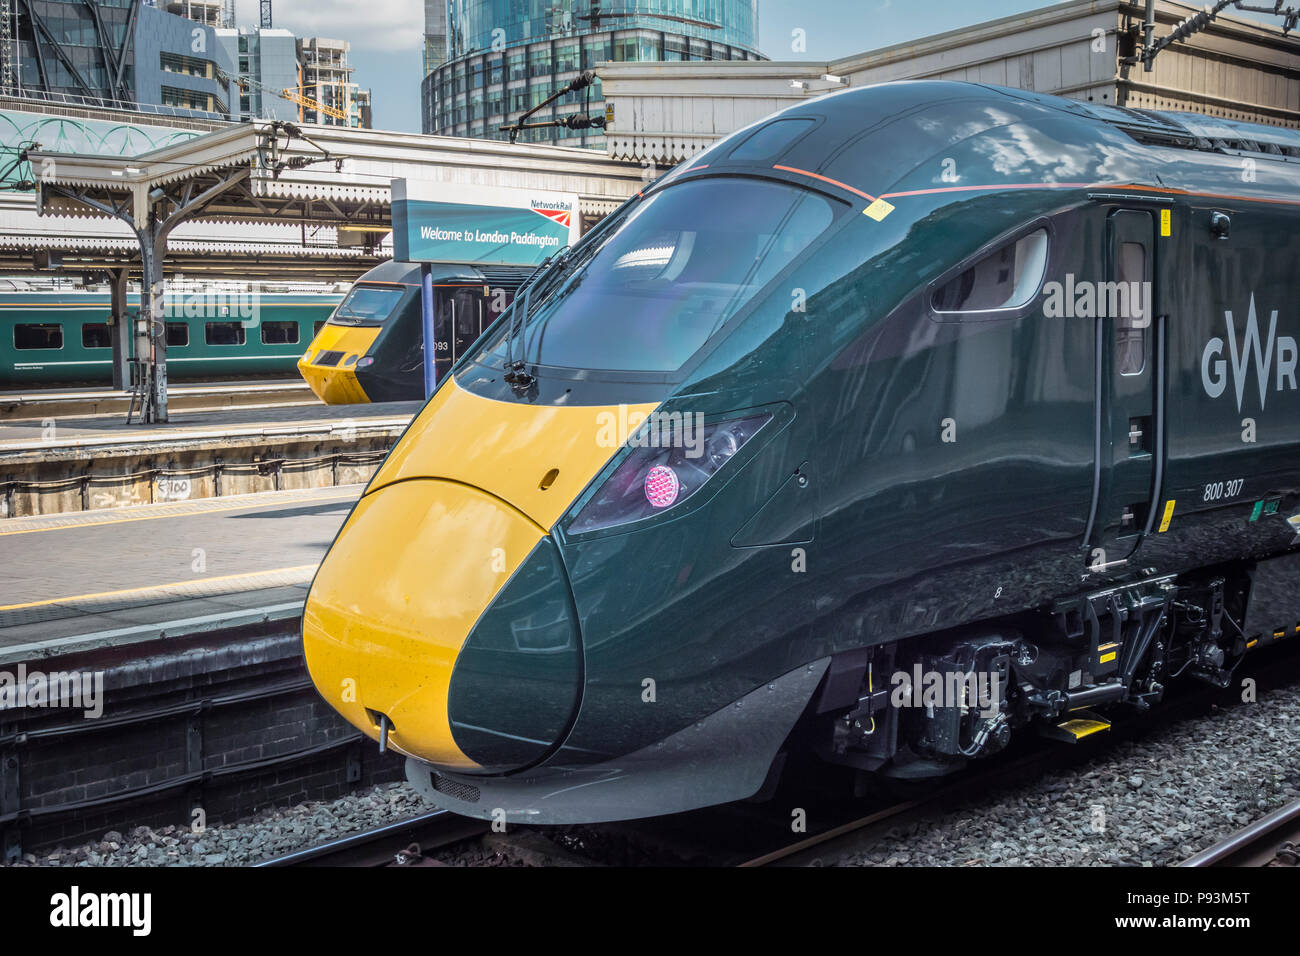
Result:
292,95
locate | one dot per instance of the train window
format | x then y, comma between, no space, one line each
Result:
1007,278
96,335
315,329
773,139
673,273
1131,319
368,305
37,335
178,335
280,333
224,333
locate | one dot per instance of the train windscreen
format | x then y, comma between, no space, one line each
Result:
669,277
368,305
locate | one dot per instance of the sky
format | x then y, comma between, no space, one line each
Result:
387,36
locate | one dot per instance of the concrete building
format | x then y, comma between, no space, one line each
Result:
327,79
1239,69
269,57
126,53
209,12
506,56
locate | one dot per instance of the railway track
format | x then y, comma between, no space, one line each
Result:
747,835
1272,840
402,843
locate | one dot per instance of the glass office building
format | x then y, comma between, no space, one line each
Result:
506,56
118,53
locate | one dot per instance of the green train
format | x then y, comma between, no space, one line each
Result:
62,337
913,419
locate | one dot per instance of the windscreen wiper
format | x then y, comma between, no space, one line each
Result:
543,280
515,374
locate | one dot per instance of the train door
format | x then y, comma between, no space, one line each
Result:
458,322
1129,421
461,315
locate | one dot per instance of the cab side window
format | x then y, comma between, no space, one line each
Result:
1003,280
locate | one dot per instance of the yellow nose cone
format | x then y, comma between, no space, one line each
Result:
332,381
413,569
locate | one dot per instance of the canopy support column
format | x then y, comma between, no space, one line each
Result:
121,334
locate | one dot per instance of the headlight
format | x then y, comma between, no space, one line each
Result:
653,479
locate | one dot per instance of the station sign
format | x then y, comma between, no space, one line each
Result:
481,225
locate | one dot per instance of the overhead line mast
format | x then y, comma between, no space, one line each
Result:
1198,22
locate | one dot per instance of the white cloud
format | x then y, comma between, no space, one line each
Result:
366,24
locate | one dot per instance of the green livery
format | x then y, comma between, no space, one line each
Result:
58,337
960,383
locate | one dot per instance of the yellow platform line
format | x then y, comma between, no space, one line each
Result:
155,587
245,506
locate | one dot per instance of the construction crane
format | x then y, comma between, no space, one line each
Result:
245,83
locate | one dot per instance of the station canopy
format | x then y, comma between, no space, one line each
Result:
261,199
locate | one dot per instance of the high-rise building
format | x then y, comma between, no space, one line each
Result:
327,79
269,58
209,12
122,53
435,34
505,56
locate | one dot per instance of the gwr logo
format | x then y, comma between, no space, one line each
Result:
1214,368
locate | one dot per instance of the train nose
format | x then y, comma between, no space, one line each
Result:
445,610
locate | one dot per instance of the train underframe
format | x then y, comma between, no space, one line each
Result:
928,706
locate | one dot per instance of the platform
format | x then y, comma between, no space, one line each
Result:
40,404
73,465
104,579
68,436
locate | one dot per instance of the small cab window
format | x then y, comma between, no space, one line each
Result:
773,139
224,333
34,335
280,333
96,335
368,305
1005,279
1132,308
315,329
178,335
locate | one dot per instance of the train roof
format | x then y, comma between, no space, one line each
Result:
932,141
408,273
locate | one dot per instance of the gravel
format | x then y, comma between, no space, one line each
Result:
268,834
1151,801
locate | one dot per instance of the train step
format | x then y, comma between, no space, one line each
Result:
1082,723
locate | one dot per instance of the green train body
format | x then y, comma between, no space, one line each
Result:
52,337
992,384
